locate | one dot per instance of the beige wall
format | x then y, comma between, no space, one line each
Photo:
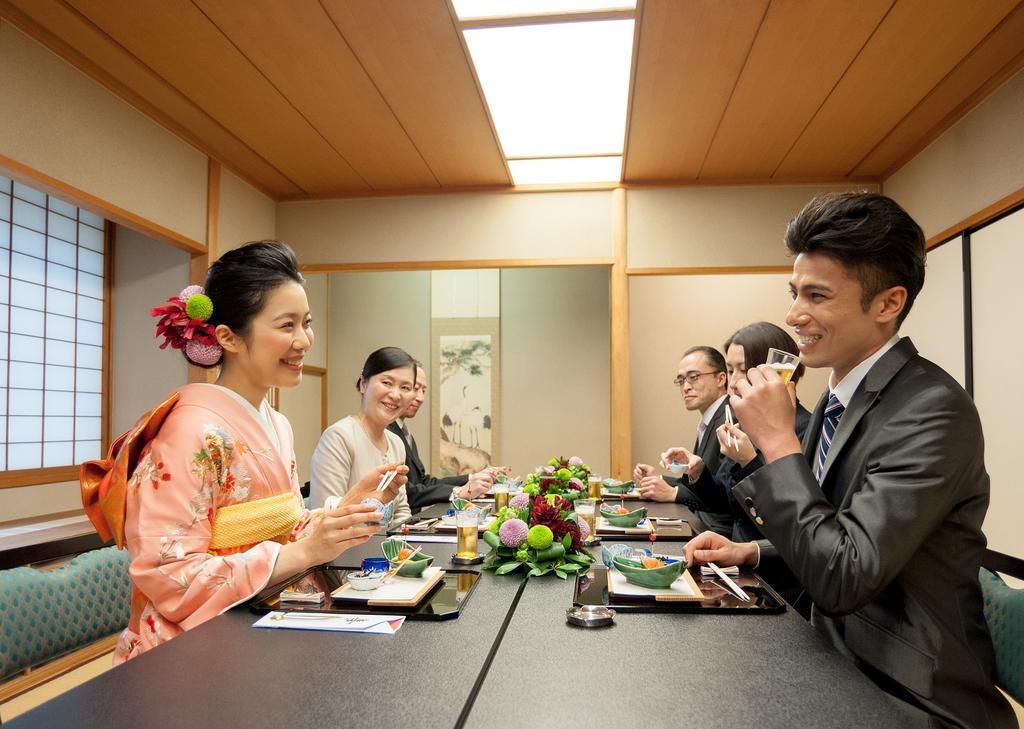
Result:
974,164
450,227
60,122
368,311
555,380
936,323
146,274
317,294
301,405
714,226
998,348
246,214
669,314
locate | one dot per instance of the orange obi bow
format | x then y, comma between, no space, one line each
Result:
104,483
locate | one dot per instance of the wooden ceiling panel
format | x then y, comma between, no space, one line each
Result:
800,52
182,46
296,46
918,43
995,60
70,35
690,55
413,52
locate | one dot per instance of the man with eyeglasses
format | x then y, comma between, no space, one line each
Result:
702,382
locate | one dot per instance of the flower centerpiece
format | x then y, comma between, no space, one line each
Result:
566,477
538,531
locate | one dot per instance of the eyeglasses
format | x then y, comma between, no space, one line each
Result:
692,377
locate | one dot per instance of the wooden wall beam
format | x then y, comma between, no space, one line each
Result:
620,412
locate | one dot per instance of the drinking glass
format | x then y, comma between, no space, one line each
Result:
500,496
785,363
586,509
594,487
467,522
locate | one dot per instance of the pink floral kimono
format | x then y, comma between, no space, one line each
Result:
207,509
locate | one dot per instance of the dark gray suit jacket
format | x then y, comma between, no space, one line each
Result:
424,489
706,496
889,545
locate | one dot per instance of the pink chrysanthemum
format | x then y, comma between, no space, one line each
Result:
575,461
513,533
203,354
189,291
584,529
575,483
519,501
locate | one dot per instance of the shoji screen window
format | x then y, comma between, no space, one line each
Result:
51,330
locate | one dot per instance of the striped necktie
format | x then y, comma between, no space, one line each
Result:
833,411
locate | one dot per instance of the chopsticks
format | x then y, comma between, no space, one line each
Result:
394,570
725,580
386,480
732,439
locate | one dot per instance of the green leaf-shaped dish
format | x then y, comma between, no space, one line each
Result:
414,567
628,520
614,487
657,577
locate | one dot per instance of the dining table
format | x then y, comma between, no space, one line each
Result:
509,659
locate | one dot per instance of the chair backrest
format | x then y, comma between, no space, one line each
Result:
1004,613
46,613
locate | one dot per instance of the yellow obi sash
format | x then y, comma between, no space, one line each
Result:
272,518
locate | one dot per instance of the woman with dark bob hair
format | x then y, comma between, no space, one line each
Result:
745,349
360,443
204,490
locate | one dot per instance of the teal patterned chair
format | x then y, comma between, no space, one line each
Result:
46,613
1004,613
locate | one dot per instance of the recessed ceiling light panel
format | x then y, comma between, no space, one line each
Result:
565,170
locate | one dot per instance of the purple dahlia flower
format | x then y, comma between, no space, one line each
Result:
519,501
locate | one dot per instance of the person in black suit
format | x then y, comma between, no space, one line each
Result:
879,512
702,381
422,488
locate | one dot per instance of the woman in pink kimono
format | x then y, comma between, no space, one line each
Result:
212,510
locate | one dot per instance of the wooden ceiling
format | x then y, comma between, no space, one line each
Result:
329,98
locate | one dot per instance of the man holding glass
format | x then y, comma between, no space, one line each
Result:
879,512
702,382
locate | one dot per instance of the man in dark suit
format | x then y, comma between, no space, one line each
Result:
422,488
879,513
702,382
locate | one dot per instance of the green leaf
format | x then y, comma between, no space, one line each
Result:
507,567
505,552
561,574
492,539
578,559
570,567
567,540
551,553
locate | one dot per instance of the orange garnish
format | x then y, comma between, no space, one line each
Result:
651,563
403,554
622,510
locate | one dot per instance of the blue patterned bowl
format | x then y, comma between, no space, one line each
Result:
608,551
387,510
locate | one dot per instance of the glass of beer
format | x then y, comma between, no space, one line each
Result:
467,522
785,363
594,487
500,496
586,510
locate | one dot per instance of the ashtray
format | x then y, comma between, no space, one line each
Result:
590,616
456,559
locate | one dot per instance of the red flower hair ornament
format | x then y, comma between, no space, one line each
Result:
183,325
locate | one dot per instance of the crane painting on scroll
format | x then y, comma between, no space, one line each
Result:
464,403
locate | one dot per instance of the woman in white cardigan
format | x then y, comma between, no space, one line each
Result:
359,443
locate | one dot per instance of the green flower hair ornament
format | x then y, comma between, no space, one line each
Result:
199,306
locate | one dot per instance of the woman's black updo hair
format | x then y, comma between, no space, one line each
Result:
239,282
384,359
